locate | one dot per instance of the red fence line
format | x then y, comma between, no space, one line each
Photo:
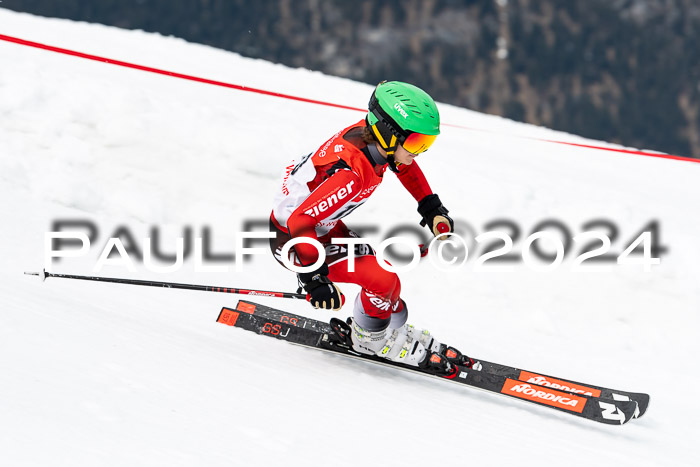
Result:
239,87
170,73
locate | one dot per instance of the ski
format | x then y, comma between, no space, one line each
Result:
316,334
528,376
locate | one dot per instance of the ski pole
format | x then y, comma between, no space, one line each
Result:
171,285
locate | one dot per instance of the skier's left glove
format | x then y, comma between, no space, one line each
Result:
321,292
435,216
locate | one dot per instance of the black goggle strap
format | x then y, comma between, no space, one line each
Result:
387,122
378,135
393,140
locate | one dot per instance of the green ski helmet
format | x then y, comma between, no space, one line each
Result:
400,113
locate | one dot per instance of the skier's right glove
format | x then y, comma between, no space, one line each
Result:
320,291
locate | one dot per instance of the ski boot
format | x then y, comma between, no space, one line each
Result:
397,345
451,354
405,344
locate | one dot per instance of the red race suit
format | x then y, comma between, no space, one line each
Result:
324,187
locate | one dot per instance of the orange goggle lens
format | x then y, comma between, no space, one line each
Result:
417,143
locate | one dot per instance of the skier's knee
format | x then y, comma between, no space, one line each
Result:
381,282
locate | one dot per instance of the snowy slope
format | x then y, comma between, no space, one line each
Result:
99,374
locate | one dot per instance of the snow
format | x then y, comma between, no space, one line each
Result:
103,374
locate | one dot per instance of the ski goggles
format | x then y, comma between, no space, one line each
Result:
417,143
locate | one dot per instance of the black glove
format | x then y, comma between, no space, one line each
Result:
435,216
320,291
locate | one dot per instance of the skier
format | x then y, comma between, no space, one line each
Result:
327,185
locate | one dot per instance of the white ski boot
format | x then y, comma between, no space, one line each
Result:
404,344
409,346
393,339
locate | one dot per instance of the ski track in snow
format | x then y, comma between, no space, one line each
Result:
103,374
